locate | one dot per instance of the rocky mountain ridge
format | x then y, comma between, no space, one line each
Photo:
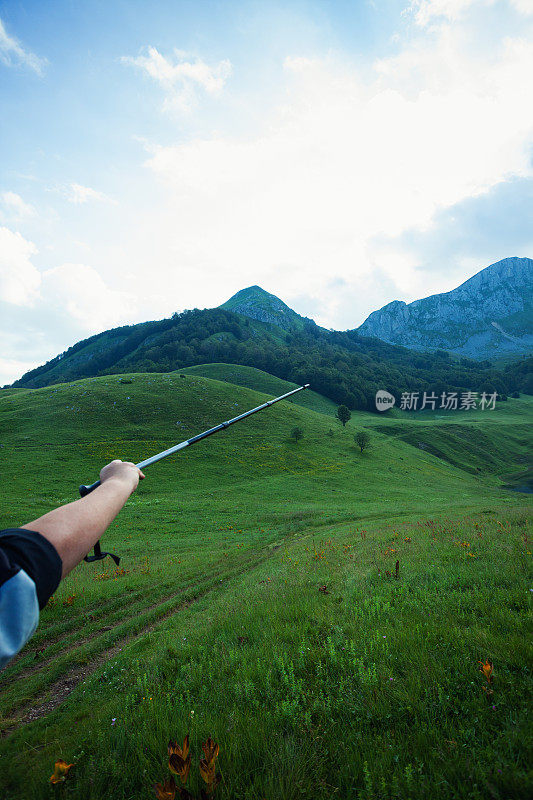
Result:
488,316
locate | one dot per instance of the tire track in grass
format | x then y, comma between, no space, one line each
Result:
60,689
84,652
58,628
24,665
71,643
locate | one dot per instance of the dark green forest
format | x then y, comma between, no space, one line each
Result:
344,366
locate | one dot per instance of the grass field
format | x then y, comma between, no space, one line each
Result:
252,378
258,599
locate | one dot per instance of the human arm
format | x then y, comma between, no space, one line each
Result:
74,528
35,557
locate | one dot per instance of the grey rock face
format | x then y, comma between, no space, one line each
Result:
489,315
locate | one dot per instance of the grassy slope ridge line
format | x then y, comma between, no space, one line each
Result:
261,381
369,689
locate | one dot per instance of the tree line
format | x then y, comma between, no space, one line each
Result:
344,366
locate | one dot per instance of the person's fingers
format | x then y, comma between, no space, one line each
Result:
131,464
121,469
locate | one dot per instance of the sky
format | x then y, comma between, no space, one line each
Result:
339,153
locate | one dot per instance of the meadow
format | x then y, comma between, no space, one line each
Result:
341,624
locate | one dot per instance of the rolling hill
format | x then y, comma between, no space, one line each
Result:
260,381
258,599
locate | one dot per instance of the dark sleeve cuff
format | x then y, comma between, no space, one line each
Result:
30,551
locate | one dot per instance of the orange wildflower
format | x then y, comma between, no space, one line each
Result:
487,669
173,747
208,765
179,759
166,790
61,770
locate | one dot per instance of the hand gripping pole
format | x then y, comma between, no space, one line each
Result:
87,489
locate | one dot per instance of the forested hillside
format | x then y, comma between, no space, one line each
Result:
343,366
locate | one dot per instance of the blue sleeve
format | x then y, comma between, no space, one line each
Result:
19,614
30,571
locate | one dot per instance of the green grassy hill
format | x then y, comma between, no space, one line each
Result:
257,602
486,443
253,378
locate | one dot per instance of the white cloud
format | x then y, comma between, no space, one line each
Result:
426,11
13,368
68,302
15,205
12,53
79,292
182,78
523,6
78,194
344,159
19,279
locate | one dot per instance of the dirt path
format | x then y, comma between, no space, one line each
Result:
59,690
62,688
42,664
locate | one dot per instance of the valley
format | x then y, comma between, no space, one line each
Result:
320,612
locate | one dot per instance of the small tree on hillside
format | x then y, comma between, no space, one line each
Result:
362,440
343,414
297,434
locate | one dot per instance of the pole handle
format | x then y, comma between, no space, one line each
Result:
84,490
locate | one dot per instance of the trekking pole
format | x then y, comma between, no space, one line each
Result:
85,490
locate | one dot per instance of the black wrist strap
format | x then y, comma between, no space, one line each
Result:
98,555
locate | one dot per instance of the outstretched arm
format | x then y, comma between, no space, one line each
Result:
75,528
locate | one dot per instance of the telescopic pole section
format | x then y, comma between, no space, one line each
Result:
85,490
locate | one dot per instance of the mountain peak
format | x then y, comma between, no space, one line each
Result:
251,291
489,315
256,303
